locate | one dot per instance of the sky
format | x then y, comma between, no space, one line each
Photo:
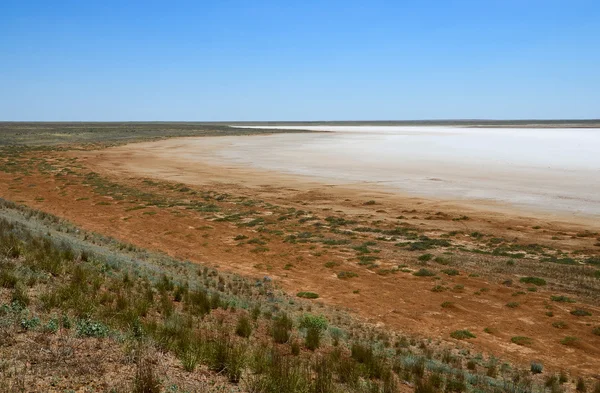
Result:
299,60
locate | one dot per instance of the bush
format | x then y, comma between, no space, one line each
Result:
308,295
424,273
425,257
243,327
462,334
313,338
308,321
536,368
344,275
89,328
533,280
295,347
570,341
562,299
596,331
559,324
581,313
145,380
512,305
580,386
521,340
451,272
281,328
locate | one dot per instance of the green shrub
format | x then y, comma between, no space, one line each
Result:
581,313
89,328
462,334
536,368
521,340
313,338
451,272
425,257
8,279
30,323
559,325
295,348
344,275
569,341
596,331
145,380
512,305
424,273
281,328
243,327
308,321
580,385
308,295
533,280
562,299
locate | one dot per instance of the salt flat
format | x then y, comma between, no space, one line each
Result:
533,168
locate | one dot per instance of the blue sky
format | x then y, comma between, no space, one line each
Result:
299,60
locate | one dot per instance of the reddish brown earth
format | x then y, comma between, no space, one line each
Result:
400,301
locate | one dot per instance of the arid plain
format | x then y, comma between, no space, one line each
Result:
523,282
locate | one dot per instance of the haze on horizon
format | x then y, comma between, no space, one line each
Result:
268,60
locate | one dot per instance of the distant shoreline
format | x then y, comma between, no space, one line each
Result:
488,123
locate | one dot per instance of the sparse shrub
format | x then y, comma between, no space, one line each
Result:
8,279
447,305
308,295
19,296
559,324
424,273
51,326
462,334
451,272
533,280
345,275
145,380
317,321
243,327
570,341
512,305
313,338
425,257
89,328
536,367
580,386
30,323
562,299
295,348
521,340
581,313
281,328
596,331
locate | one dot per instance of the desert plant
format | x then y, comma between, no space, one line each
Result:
581,313
462,334
308,295
313,338
536,367
562,299
243,327
533,280
424,273
521,340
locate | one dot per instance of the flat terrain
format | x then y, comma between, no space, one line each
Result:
422,267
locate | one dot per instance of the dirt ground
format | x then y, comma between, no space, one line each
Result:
476,298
